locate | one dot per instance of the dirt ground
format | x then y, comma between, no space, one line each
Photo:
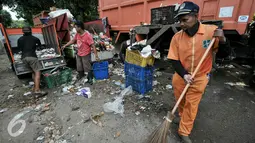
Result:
226,112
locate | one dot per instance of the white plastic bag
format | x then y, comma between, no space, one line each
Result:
59,12
146,52
116,106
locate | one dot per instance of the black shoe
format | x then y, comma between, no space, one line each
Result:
90,78
185,139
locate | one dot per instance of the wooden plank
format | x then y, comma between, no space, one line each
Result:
158,34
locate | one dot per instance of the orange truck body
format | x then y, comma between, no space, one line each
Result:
125,14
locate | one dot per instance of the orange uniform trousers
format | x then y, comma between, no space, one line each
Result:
189,105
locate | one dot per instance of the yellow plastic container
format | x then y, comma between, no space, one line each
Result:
134,57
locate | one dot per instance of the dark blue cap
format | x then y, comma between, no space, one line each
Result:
186,8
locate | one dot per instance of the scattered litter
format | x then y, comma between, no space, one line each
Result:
117,134
3,110
252,102
31,83
165,58
117,105
10,96
137,113
142,97
43,107
169,86
230,99
96,119
247,66
85,92
55,92
241,84
61,141
226,66
68,89
156,54
11,89
27,93
119,72
230,66
155,83
110,65
142,107
158,74
75,108
119,83
40,138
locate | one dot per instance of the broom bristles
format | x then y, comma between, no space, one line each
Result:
159,135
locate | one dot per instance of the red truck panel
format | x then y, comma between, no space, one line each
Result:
18,31
125,14
36,18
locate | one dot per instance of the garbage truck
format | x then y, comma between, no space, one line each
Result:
150,19
49,54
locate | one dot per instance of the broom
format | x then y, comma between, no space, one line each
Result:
160,133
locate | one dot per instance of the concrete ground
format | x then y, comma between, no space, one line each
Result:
225,115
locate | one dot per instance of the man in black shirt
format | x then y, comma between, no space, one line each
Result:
28,43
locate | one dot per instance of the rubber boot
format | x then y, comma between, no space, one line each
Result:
185,139
80,75
177,120
90,78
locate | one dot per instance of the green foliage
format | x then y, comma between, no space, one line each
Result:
84,10
18,24
6,17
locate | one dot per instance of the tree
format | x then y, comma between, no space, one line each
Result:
84,10
6,18
18,24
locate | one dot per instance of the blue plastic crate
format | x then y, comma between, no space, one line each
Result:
140,86
138,72
100,70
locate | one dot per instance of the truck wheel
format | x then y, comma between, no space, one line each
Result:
122,52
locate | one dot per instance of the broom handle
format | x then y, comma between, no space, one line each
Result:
193,75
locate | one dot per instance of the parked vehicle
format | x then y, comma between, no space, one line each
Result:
233,16
48,38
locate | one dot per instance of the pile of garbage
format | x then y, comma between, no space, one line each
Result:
41,54
102,42
17,57
144,50
46,53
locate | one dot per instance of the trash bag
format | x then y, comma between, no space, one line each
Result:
59,12
117,106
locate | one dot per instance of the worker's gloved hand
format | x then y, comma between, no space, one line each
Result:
220,34
188,79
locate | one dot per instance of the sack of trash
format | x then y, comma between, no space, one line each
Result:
59,12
